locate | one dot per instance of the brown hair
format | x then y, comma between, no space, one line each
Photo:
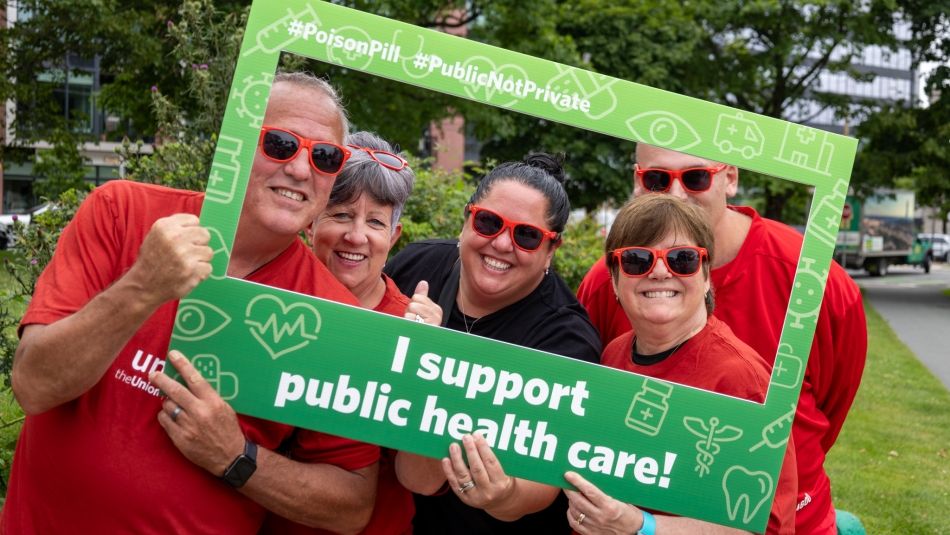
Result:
648,218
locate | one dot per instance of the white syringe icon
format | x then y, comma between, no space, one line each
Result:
769,431
277,30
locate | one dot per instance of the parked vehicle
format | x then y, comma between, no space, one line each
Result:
5,236
880,232
7,220
940,244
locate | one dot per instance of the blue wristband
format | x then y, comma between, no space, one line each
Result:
649,525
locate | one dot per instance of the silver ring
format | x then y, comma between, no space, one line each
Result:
419,319
580,518
175,413
467,486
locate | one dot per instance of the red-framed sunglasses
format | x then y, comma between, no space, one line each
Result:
693,179
680,261
384,158
280,145
525,236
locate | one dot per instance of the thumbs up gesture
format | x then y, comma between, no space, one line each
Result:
421,308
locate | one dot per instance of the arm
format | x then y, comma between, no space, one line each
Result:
318,495
604,515
500,495
208,433
422,475
840,347
173,259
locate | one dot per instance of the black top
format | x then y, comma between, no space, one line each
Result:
549,319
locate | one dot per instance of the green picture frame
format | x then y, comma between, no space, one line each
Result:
659,445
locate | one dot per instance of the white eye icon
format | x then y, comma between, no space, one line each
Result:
663,129
197,320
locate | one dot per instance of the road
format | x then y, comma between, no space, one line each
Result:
914,305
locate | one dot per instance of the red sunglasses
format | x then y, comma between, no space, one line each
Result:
525,236
282,146
384,158
640,261
693,179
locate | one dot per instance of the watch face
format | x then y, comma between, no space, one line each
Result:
240,471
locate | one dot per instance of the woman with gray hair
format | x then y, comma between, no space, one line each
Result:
361,224
352,237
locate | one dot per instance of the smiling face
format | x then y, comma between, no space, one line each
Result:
353,240
283,198
713,201
495,273
663,303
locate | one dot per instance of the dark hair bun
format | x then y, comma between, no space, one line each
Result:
550,163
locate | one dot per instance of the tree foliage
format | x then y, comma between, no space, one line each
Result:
764,56
205,44
909,145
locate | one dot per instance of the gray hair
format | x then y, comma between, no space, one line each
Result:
311,81
363,174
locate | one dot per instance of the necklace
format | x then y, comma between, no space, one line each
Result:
468,328
646,360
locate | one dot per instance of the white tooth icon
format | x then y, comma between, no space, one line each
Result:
742,488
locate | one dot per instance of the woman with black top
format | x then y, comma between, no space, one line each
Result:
495,281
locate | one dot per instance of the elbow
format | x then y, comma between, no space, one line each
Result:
418,474
24,393
346,521
425,488
357,522
26,389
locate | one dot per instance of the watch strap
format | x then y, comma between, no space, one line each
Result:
649,524
250,450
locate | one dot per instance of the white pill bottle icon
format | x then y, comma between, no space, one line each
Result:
649,407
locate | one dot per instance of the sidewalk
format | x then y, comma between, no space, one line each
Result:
916,308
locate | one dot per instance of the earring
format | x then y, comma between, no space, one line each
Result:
547,270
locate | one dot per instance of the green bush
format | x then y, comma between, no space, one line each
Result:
32,249
435,208
583,245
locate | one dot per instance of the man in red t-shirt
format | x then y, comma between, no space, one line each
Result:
752,277
91,457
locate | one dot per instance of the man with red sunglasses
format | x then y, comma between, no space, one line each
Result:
755,264
92,456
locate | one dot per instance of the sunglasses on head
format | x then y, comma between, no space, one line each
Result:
693,179
283,146
640,261
525,236
384,158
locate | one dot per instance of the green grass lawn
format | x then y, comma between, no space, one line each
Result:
891,464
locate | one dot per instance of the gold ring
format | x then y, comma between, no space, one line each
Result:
467,486
420,319
580,518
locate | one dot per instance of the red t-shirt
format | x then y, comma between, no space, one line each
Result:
715,360
101,463
752,294
394,509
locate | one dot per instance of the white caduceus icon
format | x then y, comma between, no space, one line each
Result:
712,435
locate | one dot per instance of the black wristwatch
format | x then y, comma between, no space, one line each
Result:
240,470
